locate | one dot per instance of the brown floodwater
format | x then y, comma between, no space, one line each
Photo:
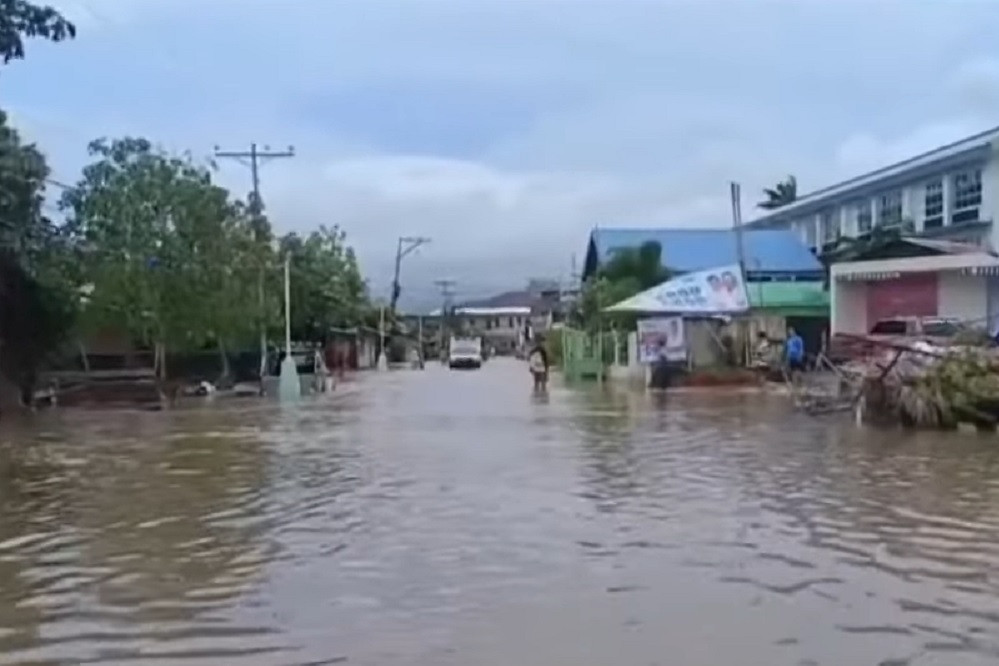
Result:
451,518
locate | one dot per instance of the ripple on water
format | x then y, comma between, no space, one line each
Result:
447,518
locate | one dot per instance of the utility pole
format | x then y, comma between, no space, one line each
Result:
419,324
254,158
736,192
447,291
406,245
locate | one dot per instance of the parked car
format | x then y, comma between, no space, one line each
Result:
937,331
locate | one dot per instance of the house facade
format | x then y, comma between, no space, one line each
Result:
951,193
947,282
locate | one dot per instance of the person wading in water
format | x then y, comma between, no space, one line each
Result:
537,361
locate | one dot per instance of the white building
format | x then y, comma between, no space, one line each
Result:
951,192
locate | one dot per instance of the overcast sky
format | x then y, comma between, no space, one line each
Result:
507,129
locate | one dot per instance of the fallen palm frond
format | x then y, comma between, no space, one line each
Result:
929,388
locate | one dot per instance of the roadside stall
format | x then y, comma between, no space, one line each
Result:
687,321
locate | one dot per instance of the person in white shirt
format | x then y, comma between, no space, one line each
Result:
537,362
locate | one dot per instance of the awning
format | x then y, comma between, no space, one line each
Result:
969,263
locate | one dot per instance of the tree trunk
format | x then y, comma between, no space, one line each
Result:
27,388
83,356
226,375
160,372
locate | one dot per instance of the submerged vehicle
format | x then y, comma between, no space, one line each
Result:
465,353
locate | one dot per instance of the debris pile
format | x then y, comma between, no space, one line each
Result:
930,387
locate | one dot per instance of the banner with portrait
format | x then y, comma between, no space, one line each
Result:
717,291
661,336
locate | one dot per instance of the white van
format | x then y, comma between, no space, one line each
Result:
465,353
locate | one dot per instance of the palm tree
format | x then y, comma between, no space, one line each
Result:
783,193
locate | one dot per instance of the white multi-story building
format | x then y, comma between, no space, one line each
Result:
949,193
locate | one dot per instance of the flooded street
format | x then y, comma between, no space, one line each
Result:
437,518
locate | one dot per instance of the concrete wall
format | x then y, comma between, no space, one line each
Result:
963,296
992,291
848,306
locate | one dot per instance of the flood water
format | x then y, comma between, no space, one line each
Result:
452,518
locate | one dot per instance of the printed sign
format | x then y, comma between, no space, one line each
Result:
661,336
716,291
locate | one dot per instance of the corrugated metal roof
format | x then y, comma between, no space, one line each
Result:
950,151
684,250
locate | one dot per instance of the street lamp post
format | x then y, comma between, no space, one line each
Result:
406,245
289,386
382,358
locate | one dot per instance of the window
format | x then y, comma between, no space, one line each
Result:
967,196
509,322
890,327
890,209
809,227
933,205
941,328
829,223
862,217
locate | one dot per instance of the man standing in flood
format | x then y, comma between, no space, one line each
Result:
794,352
538,363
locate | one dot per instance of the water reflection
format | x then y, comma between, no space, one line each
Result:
456,518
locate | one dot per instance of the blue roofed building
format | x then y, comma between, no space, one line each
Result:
770,254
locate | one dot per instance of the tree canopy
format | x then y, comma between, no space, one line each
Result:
781,194
20,20
627,272
35,311
169,255
327,289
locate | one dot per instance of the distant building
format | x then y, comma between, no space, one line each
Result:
951,193
770,255
509,320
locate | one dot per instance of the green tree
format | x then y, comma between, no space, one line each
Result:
781,194
34,316
36,300
628,272
20,19
155,229
327,289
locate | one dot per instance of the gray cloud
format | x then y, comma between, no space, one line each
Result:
638,112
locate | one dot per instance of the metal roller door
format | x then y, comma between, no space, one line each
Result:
909,296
